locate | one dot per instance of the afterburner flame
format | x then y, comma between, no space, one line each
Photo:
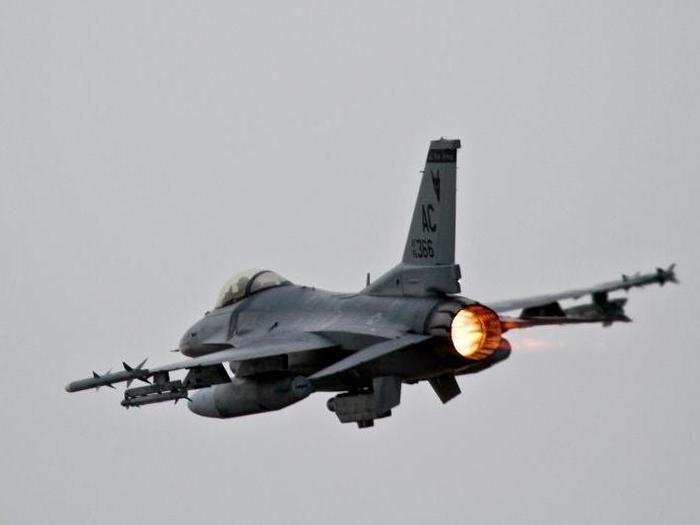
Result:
467,332
476,332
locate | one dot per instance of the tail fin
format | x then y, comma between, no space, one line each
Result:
431,237
428,267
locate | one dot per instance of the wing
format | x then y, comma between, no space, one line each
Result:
544,307
266,347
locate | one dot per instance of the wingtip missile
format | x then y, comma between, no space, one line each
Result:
98,380
96,376
671,274
664,276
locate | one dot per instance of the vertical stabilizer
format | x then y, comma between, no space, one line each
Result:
428,265
431,237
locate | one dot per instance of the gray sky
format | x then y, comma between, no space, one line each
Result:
149,150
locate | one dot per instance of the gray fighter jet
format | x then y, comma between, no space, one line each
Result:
283,341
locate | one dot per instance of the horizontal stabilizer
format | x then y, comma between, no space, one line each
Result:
369,354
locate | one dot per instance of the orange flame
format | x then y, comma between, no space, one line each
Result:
476,332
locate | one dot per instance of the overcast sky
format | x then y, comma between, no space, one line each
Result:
149,150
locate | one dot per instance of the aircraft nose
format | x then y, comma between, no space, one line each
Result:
189,343
202,403
183,342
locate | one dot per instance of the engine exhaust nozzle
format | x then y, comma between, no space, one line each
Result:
476,332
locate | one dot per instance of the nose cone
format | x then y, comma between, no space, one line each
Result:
202,403
191,343
205,336
184,345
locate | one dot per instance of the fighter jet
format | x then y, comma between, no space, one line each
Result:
283,341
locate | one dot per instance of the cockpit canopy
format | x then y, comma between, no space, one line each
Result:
243,284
